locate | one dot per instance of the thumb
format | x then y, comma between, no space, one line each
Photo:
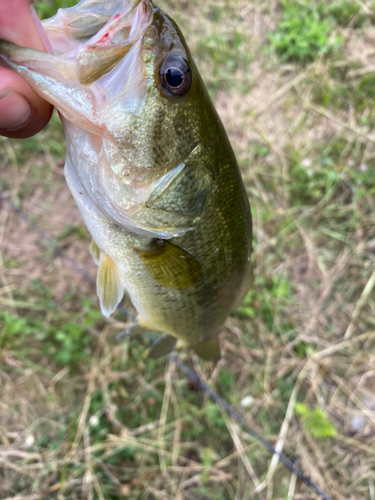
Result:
22,111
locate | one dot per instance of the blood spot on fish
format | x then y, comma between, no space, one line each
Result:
104,38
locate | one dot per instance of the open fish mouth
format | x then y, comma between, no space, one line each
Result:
87,45
97,41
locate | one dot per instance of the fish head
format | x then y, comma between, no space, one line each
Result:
141,128
145,86
156,158
153,103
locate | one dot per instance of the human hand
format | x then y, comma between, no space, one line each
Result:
22,112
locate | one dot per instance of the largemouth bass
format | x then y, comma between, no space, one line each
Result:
149,165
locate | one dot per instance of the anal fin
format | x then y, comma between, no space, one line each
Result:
163,346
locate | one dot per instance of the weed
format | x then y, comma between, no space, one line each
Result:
48,8
303,350
247,309
261,303
310,181
347,12
316,421
70,230
13,331
67,343
304,32
224,50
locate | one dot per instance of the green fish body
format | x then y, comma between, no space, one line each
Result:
149,165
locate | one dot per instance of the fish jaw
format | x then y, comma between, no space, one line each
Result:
74,26
82,59
68,79
106,48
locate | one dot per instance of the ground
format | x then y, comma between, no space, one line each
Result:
83,415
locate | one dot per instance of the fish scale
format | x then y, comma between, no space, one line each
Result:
150,167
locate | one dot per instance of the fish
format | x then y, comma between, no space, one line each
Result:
150,167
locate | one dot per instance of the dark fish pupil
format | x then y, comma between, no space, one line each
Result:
174,77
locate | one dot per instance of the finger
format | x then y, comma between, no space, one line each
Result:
22,112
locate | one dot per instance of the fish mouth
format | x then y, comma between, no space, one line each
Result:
125,24
111,44
97,34
85,19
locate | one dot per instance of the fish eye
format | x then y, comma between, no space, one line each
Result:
175,76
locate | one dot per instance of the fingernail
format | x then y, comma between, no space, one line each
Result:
14,110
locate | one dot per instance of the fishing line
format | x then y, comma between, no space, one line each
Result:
50,242
236,416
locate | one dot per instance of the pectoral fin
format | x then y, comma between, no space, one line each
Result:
162,347
108,285
170,265
208,349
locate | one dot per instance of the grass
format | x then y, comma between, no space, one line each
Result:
304,32
85,416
